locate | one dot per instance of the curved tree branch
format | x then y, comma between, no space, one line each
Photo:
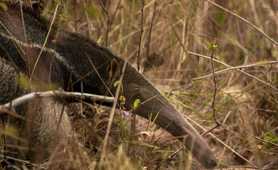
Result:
68,96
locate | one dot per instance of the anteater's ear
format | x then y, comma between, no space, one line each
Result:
37,6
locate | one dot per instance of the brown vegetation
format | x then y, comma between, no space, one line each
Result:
220,52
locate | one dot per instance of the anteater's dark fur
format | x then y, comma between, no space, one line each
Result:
97,69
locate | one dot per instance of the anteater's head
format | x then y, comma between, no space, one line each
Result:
164,114
99,69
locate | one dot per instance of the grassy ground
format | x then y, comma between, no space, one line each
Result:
216,61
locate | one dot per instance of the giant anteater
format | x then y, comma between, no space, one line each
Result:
76,63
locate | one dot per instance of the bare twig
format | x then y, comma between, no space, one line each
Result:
111,116
45,41
115,12
140,36
22,20
244,20
107,31
214,91
60,94
61,116
99,76
265,141
172,156
151,29
237,67
215,86
102,5
109,20
220,62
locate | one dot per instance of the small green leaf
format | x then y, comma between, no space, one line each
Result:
23,81
212,46
136,104
220,18
122,100
12,131
271,137
93,11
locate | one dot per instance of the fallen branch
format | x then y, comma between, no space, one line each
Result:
74,96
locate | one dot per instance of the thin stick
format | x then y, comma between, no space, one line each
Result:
244,20
109,20
111,117
99,76
22,20
45,41
151,29
223,63
141,36
265,141
214,89
237,67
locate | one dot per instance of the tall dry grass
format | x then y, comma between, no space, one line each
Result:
198,52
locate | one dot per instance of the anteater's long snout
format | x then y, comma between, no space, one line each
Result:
153,103
135,86
172,121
